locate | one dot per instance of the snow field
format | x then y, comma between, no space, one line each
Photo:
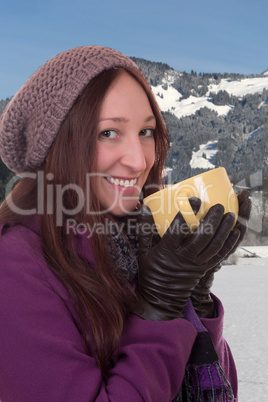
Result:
242,289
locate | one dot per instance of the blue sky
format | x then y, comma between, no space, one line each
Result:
203,35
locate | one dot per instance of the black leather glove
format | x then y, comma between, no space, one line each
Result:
201,299
171,269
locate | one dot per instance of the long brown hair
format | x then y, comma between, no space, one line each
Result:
103,298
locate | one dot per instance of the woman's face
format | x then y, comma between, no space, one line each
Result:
125,145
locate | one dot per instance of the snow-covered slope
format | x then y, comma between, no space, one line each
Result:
242,87
203,158
169,98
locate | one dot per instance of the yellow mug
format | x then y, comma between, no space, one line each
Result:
211,187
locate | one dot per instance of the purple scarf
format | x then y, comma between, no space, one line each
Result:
204,379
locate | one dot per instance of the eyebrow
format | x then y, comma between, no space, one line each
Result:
124,120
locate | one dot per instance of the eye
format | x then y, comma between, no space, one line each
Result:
108,134
147,132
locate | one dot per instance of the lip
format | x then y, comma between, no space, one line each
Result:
130,183
122,181
122,178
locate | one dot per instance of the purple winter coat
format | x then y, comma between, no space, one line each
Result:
43,356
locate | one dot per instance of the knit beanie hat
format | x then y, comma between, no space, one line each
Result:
33,117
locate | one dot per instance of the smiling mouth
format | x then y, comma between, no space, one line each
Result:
121,182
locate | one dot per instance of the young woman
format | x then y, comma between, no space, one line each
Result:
93,305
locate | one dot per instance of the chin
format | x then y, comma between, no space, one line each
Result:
124,210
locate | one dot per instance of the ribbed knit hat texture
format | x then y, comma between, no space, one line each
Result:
33,117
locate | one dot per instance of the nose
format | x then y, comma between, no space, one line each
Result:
133,155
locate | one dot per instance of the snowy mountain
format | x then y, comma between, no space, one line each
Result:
172,101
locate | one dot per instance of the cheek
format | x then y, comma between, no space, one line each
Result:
102,159
150,157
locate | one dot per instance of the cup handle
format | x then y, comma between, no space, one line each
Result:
186,210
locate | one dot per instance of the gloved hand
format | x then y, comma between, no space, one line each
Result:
201,299
171,269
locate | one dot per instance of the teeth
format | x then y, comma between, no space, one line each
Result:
122,183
